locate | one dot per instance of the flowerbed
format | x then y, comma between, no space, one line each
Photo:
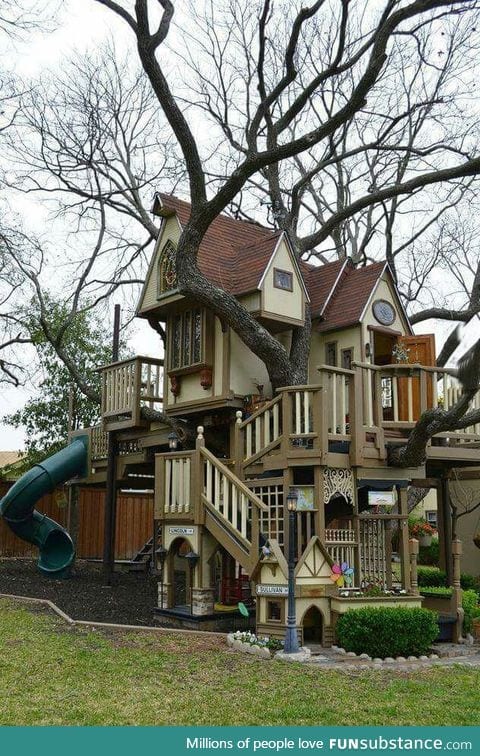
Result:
251,644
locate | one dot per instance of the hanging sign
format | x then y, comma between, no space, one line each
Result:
381,499
181,531
305,501
272,590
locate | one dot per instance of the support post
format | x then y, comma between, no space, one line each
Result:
456,552
291,638
403,538
111,484
414,550
446,521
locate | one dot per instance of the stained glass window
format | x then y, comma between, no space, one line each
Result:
167,276
187,339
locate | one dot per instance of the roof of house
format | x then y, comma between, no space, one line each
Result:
9,458
234,254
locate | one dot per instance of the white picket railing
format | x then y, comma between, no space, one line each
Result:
130,384
178,489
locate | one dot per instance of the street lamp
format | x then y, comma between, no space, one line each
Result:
192,559
161,554
173,441
291,638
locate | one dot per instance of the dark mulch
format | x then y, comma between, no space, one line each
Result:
129,600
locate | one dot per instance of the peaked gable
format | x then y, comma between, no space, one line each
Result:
315,563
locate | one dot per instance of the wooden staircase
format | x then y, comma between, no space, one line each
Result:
142,559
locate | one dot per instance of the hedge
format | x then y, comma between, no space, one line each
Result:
433,576
387,631
470,608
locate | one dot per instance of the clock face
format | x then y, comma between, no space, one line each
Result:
384,312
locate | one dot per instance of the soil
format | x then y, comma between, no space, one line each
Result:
129,600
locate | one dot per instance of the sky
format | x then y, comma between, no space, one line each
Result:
84,25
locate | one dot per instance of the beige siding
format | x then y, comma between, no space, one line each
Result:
251,302
277,301
246,369
348,338
384,291
171,232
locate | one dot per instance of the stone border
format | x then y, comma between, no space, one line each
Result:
108,625
386,660
248,648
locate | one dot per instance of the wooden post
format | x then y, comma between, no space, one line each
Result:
238,445
456,551
111,484
198,482
286,422
446,521
414,549
355,411
403,539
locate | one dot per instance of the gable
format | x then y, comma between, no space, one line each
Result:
385,290
315,564
169,233
282,287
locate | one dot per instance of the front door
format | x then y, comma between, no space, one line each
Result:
421,351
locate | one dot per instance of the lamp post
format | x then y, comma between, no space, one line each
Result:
192,559
291,638
161,553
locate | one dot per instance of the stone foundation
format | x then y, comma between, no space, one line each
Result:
202,601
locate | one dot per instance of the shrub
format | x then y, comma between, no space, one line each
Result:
431,577
430,554
387,631
471,609
468,582
440,590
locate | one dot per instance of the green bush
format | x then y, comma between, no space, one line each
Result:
387,631
437,590
431,576
430,554
471,609
468,582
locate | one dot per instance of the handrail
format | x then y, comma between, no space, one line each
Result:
260,411
239,484
135,358
335,369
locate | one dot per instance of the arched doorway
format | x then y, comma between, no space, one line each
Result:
180,574
312,626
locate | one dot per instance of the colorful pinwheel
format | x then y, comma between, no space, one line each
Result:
342,574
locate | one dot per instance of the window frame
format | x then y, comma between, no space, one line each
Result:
168,247
281,605
289,273
184,366
328,345
348,351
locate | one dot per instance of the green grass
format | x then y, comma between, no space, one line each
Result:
51,674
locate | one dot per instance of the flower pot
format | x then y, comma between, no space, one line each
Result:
425,540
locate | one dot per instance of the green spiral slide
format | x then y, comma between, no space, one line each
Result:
17,508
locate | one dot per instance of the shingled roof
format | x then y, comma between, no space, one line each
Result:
234,254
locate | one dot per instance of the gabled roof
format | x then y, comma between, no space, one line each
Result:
234,255
351,296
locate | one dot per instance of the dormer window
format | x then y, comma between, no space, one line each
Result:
166,273
283,279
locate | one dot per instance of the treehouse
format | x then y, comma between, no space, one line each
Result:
221,529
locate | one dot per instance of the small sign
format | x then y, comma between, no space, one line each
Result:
181,531
272,590
381,499
305,501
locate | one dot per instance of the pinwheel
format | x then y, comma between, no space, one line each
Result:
342,574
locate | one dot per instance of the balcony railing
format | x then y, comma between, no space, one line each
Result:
129,385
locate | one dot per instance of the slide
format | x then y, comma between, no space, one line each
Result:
17,507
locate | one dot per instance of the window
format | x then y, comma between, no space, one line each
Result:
347,359
431,518
331,354
186,339
274,611
283,279
166,272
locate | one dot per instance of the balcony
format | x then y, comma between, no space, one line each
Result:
129,387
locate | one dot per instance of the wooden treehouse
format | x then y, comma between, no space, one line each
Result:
217,504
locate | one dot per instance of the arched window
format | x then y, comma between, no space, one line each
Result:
166,273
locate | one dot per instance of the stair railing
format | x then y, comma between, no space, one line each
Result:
258,434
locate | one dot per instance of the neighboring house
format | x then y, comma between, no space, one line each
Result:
9,462
218,503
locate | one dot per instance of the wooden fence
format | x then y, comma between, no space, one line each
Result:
134,524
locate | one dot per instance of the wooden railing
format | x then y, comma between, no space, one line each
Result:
342,545
395,396
175,485
99,442
129,385
261,432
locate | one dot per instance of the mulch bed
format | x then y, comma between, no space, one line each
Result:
130,599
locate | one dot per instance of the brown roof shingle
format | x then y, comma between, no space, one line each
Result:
234,254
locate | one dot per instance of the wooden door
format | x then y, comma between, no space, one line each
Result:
421,351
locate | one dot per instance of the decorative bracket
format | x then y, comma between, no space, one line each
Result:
338,481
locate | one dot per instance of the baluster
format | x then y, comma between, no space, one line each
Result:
181,491
334,402
168,477
445,391
343,405
410,399
209,481
369,398
395,398
266,428
258,434
434,389
243,516
248,437
216,489
298,413
276,431
233,514
306,411
186,483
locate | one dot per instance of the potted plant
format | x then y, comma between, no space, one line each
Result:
423,532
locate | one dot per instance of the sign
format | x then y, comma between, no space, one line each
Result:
272,590
305,501
181,531
381,499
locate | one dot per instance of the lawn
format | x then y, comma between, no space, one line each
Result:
53,674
